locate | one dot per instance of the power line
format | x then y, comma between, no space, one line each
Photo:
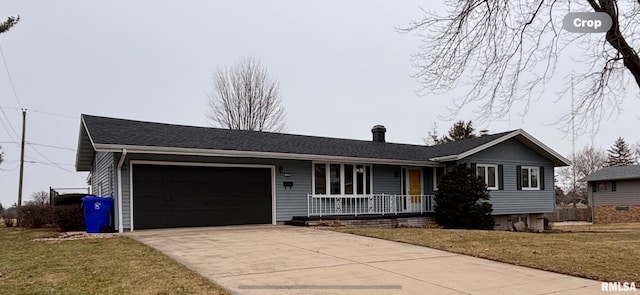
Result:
51,146
5,126
55,114
45,163
51,162
57,165
15,94
45,112
12,169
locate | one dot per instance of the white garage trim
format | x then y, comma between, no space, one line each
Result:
200,164
119,176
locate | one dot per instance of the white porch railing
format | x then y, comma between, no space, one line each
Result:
319,205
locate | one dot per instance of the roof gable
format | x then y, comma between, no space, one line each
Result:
520,135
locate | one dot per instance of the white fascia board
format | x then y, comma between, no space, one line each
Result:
445,158
83,125
253,154
88,134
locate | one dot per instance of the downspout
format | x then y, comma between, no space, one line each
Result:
119,172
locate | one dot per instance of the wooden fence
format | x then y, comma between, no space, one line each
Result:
570,214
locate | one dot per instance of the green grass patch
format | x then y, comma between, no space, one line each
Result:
117,265
600,252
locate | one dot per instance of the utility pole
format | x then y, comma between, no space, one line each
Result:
573,143
24,120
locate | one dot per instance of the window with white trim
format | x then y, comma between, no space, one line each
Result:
334,176
341,179
320,179
489,174
530,178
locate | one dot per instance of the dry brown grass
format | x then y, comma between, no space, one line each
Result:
600,252
90,266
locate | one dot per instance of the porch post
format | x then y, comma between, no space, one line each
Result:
308,209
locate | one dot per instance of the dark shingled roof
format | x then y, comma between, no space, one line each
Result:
103,130
614,173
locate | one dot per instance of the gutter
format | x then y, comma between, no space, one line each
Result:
119,172
253,154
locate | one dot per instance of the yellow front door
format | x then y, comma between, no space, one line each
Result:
415,187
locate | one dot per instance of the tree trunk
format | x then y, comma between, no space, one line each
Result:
616,39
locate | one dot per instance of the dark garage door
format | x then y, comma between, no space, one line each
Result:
180,196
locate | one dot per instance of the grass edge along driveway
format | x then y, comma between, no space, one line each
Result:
607,253
118,265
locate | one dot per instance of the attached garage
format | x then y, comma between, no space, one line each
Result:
166,196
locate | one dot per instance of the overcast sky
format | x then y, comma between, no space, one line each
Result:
341,65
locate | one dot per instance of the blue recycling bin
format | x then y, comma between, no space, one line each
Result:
97,213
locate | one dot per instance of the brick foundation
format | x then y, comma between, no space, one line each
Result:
611,214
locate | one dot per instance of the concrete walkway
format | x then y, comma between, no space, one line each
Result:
295,260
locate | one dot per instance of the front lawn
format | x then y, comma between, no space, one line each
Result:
601,252
90,266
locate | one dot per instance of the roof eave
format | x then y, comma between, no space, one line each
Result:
133,149
586,179
85,147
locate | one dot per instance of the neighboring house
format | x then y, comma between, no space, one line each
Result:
164,175
614,194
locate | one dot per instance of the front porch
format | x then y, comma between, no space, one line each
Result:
372,204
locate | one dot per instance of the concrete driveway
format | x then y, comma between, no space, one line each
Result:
294,260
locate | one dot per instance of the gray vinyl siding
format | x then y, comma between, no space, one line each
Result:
102,174
627,193
289,202
510,154
386,179
126,204
292,202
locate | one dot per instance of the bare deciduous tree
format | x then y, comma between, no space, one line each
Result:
584,162
508,50
10,22
244,97
40,198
